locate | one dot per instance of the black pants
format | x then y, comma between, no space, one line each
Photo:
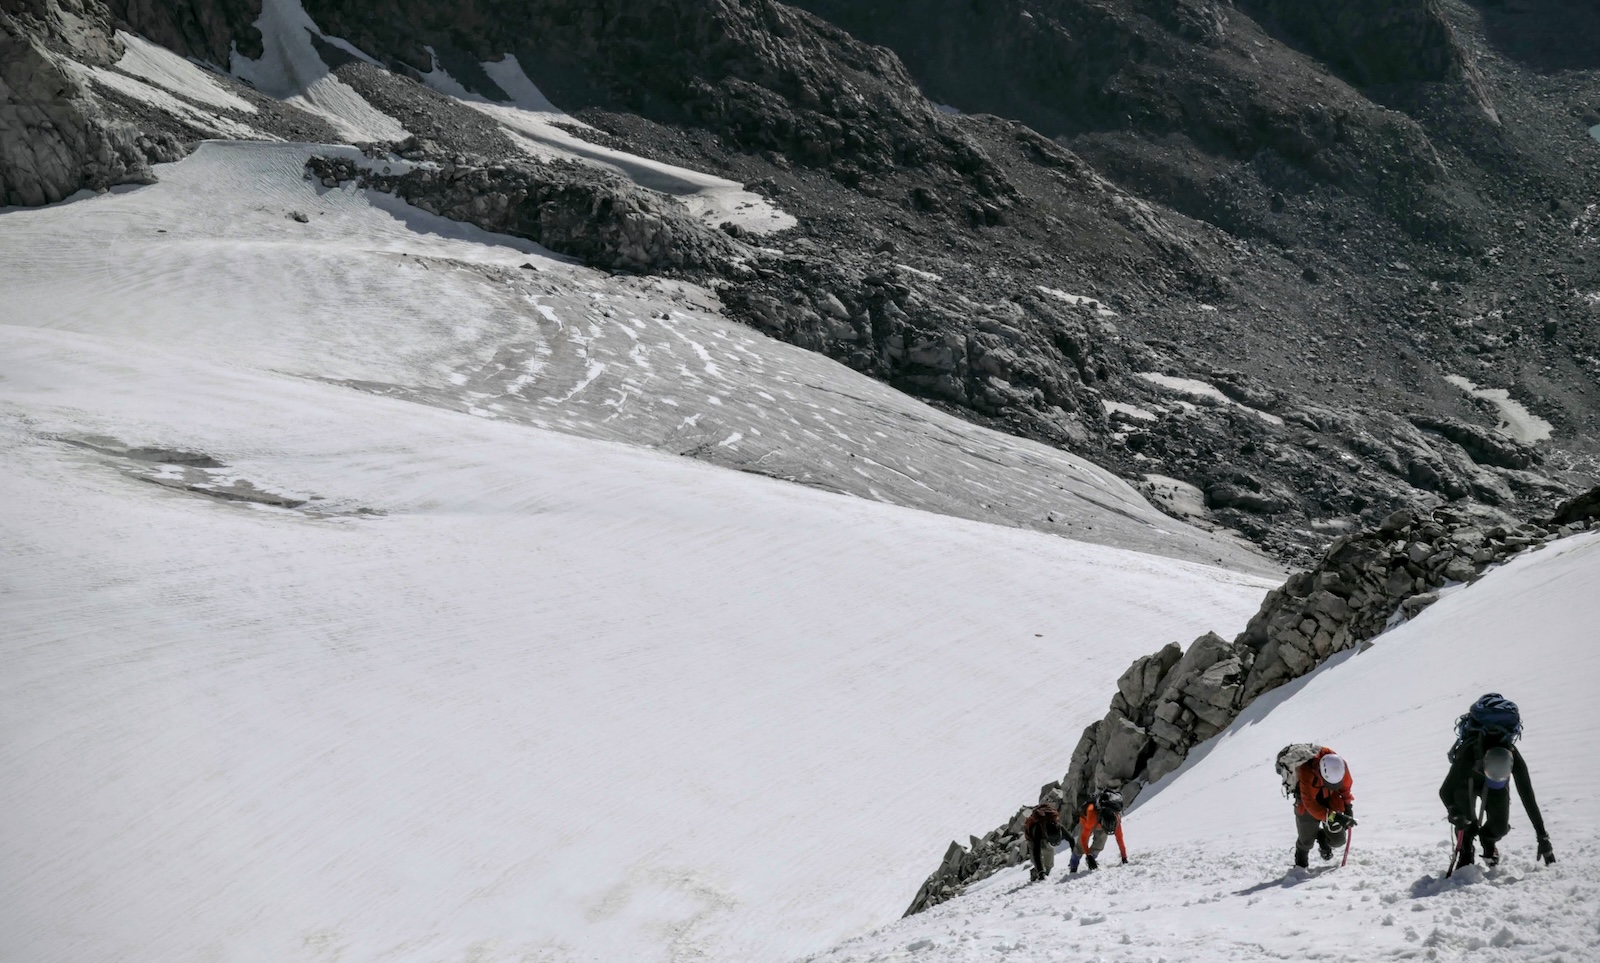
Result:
1496,820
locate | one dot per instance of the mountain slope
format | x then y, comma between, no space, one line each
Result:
1211,845
320,642
1354,225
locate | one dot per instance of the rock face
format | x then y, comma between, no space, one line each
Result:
54,140
1171,701
761,75
209,30
1371,41
1116,78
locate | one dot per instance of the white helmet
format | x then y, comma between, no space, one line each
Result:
1332,768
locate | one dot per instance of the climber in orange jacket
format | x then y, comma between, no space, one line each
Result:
1324,807
1100,815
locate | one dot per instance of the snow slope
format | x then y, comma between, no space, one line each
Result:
1212,845
556,696
290,69
297,671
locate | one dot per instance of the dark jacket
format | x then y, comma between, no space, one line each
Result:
1466,781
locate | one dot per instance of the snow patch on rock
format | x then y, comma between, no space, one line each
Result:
1078,299
1195,388
1516,421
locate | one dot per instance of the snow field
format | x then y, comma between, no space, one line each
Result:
560,697
378,295
1210,878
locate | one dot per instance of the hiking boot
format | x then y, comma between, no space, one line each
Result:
1491,854
1093,863
1324,848
1302,858
1465,859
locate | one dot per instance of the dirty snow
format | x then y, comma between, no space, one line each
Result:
1132,411
1176,497
163,100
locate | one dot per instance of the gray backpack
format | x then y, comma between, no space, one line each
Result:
1290,759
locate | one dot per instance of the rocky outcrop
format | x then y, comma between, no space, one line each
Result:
54,138
1581,510
1172,700
567,207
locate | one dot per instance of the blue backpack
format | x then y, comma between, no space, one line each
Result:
1491,717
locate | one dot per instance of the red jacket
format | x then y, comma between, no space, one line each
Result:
1316,798
1089,823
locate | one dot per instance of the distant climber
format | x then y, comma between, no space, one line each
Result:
1044,833
1100,815
1483,762
1318,780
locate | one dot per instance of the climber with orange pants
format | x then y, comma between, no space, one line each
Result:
1100,815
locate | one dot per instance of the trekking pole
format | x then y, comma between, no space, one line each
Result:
1460,835
1349,835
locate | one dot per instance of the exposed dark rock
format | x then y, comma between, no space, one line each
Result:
1583,508
1485,447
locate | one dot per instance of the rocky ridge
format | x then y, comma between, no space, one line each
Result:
1173,700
